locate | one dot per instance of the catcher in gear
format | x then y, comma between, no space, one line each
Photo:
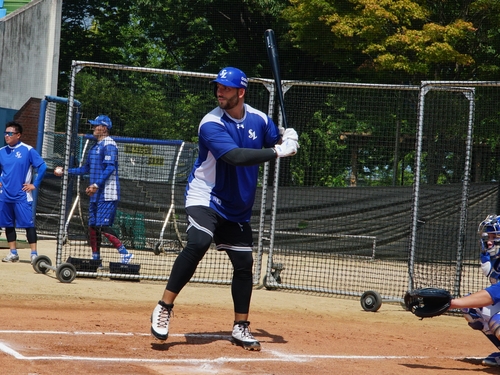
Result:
481,309
482,312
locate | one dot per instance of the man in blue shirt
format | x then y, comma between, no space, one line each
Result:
103,189
233,140
17,163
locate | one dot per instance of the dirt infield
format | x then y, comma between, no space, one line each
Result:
99,326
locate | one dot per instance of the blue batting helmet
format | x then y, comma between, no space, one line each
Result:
232,77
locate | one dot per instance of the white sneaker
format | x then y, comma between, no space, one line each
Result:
11,258
242,336
33,257
126,258
160,319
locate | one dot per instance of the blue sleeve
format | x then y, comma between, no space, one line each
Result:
37,162
39,177
84,169
215,138
110,161
494,291
105,174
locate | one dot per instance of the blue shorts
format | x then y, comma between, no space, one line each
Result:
16,214
102,214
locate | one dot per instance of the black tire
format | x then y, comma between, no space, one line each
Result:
40,264
66,273
371,301
265,284
268,287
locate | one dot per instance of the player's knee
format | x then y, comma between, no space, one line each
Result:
108,230
242,264
198,243
474,319
494,325
194,252
243,274
93,230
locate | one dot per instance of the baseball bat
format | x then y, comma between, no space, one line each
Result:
272,54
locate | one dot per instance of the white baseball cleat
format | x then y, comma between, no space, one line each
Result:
160,320
242,336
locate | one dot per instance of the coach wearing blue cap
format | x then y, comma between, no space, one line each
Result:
101,120
103,189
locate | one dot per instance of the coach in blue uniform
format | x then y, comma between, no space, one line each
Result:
234,139
17,161
104,188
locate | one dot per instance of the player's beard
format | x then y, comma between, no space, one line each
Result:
229,103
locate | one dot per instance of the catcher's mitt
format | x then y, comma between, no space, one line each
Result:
428,302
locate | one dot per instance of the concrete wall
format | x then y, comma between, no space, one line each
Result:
29,55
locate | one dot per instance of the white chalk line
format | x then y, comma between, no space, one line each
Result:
277,356
130,334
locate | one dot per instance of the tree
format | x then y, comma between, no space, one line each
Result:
416,40
200,36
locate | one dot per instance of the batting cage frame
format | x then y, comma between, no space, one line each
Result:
383,173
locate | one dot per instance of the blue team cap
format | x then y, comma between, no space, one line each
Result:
101,120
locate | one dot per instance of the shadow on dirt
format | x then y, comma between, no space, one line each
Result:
201,338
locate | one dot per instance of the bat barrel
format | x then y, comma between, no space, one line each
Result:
272,54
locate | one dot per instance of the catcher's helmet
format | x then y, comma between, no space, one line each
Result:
232,77
489,231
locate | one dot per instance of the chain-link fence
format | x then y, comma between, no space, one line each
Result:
385,193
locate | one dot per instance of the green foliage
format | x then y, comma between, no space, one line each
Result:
416,40
322,148
390,41
148,108
379,40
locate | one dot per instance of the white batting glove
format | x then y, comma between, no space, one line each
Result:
290,134
287,148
